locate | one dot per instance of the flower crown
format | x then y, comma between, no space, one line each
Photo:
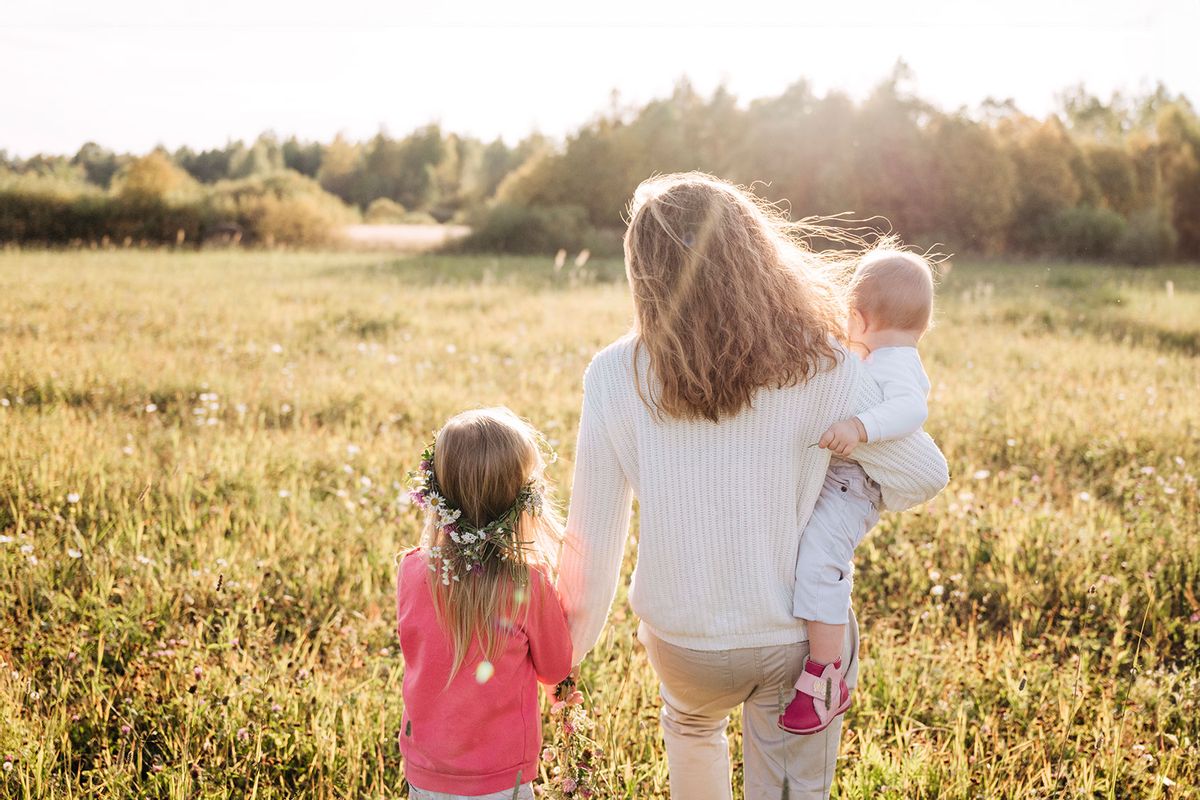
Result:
470,545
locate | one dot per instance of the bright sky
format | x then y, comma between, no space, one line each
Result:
132,74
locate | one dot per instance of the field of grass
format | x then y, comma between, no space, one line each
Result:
201,456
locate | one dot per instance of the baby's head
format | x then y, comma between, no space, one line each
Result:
891,290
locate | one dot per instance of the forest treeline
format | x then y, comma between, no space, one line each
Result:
1111,179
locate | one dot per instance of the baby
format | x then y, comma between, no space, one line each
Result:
891,304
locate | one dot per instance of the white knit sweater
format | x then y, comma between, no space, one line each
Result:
722,505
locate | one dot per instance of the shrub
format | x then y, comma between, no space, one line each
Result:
418,218
512,228
1085,232
280,208
1149,238
384,210
151,203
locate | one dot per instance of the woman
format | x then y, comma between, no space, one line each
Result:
707,412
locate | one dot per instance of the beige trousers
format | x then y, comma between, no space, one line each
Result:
700,688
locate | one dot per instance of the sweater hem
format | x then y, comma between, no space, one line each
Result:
506,779
773,638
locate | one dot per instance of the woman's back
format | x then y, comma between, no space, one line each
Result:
722,504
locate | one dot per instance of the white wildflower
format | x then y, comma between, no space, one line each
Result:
73,498
73,553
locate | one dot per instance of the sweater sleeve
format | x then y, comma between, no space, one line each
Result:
546,627
909,471
905,387
597,525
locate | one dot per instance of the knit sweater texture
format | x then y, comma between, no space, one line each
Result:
722,505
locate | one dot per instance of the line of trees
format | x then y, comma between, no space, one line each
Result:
1111,180
1115,179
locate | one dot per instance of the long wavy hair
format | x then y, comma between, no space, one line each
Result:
482,459
729,296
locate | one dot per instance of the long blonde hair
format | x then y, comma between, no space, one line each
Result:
729,299
482,460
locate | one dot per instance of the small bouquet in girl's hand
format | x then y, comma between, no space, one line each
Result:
570,759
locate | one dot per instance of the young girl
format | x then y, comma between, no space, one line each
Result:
478,617
891,304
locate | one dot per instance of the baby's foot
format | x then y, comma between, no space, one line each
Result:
821,695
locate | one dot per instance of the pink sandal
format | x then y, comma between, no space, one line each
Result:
818,700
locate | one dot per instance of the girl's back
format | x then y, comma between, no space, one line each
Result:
477,614
479,731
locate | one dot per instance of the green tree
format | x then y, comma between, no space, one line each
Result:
975,190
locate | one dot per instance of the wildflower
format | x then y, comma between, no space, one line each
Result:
73,553
353,449
197,671
73,498
937,590
276,708
7,764
451,349
26,549
243,735
276,348
1011,442
5,539
557,708
284,493
548,755
151,408
1085,497
569,784
126,730
127,449
982,474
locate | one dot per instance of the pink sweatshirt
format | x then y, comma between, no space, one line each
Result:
472,738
